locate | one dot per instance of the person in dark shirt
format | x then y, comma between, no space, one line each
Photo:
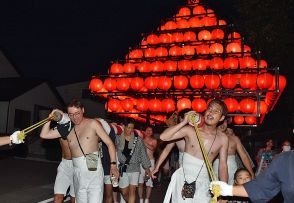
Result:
279,176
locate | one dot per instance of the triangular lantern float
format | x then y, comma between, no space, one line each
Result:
190,59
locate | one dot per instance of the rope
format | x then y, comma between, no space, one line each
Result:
215,188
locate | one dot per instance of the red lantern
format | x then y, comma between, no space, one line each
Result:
170,66
263,107
231,63
122,84
202,49
182,24
129,68
195,22
216,48
168,105
156,66
239,120
250,120
197,81
175,51
144,67
164,83
264,80
204,35
199,105
183,103
217,34
216,63
261,64
247,105
152,39
222,22
199,10
161,52
247,62
184,65
170,25
149,52
110,84
180,82
188,51
199,64
233,47
114,105
184,11
151,83
282,83
177,37
95,85
116,68
212,81
127,104
232,104
155,105
229,81
209,21
248,81
135,54
137,83
189,36
165,38
234,35
142,104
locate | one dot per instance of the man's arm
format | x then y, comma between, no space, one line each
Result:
223,156
5,140
47,133
244,157
174,132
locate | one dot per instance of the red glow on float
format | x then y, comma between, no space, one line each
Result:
180,82
199,105
197,81
95,85
183,103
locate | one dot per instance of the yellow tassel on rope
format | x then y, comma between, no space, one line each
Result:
215,188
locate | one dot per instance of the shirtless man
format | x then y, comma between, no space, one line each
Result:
193,167
82,135
151,145
235,146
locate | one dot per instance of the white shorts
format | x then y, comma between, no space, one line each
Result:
64,178
128,179
149,183
88,185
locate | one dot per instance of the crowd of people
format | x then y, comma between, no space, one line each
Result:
114,162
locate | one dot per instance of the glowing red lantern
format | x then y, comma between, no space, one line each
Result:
233,47
189,36
149,52
216,48
155,105
212,81
175,51
261,64
188,51
95,85
204,35
239,120
195,22
152,39
137,53
250,120
116,68
161,52
137,83
143,67
151,83
177,37
263,107
199,105
234,35
114,105
202,49
232,104
142,104
110,84
165,38
222,22
170,66
184,65
264,80
129,68
183,103
209,21
164,83
217,34
197,81
182,24
127,104
199,10
282,83
156,66
184,11
229,81
248,81
199,64
247,62
216,63
180,82
170,25
231,63
168,105
122,84
247,105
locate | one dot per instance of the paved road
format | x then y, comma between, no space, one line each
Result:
31,181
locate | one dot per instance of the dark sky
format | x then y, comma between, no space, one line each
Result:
66,41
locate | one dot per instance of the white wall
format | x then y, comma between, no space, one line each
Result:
3,116
92,108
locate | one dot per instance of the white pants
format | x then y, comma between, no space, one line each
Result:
149,183
127,179
232,168
192,168
88,184
64,178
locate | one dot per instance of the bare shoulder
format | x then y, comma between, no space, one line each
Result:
222,136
